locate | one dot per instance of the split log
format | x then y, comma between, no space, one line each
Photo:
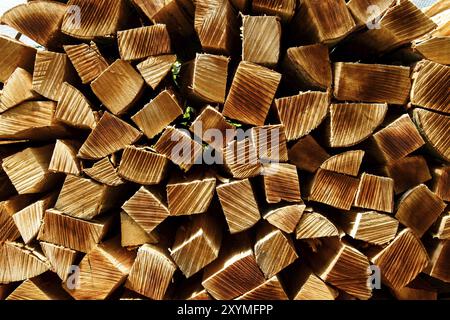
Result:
118,87
285,218
61,259
101,271
344,267
239,205
98,18
270,143
142,166
8,229
433,127
196,244
376,193
285,10
155,69
51,70
158,114
87,60
132,234
407,172
371,83
251,93
190,194
261,39
434,48
205,78
38,20
274,250
326,22
143,42
34,120
307,286
441,181
17,89
64,158
210,119
152,272
110,135
281,183
334,189
241,159
28,170
178,146
29,219
370,226
176,15
352,123
419,208
438,12
439,261
85,199
313,225
72,233
216,25
39,288
269,290
302,113
147,209
19,262
15,55
235,272
74,109
346,163
430,86
104,172
396,140
360,10
443,227
402,260
307,154
309,66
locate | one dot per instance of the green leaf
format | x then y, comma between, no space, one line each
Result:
176,68
234,123
188,115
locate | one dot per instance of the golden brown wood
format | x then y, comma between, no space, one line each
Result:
439,261
142,165
307,154
28,170
152,272
281,183
270,143
8,229
197,244
362,13
443,227
269,290
158,113
371,83
118,87
434,48
239,205
110,135
147,209
397,140
309,66
376,193
241,159
179,147
402,260
72,233
261,38
285,218
274,250
64,158
284,9
132,234
143,42
87,60
251,93
347,162
39,288
441,181
155,69
334,189
433,127
17,89
313,225
104,172
351,123
430,86
60,258
15,55
302,113
419,208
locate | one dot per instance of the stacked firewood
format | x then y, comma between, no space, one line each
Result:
225,149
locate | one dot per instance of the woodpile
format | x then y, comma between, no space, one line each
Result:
225,149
